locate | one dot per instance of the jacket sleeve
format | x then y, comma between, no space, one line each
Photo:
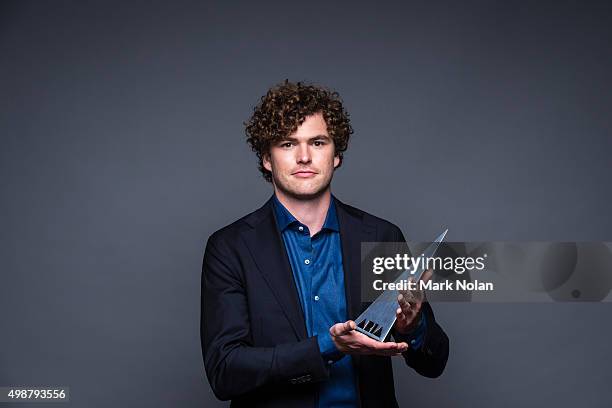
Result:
430,359
233,365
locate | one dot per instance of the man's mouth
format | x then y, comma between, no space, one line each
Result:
304,173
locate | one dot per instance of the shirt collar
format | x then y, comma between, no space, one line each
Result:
284,218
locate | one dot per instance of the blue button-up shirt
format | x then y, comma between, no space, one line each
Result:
316,263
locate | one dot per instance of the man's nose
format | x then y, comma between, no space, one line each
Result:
303,154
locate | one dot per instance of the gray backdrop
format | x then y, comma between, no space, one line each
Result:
123,150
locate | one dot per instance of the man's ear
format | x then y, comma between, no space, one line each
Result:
337,161
266,162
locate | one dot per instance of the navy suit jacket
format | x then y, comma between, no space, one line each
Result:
254,341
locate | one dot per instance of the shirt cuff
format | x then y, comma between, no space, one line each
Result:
328,349
416,337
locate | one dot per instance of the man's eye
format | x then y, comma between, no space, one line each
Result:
286,145
318,143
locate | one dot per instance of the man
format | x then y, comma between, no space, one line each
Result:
281,285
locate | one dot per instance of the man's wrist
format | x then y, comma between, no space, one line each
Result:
327,347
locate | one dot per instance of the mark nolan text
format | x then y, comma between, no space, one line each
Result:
406,284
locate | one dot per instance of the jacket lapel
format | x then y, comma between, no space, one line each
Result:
353,231
267,249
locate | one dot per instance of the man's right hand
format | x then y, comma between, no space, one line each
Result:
350,341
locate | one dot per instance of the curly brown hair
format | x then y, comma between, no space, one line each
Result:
285,107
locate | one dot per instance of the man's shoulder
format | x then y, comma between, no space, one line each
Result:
232,231
369,219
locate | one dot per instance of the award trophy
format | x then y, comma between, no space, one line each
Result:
378,319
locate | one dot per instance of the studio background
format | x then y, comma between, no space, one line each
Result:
123,149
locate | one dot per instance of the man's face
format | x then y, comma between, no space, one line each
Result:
302,164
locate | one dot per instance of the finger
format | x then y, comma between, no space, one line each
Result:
409,296
416,296
405,306
427,275
404,292
390,346
419,296
340,329
366,345
395,351
404,301
416,305
401,317
374,345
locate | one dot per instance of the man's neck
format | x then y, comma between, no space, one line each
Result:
310,212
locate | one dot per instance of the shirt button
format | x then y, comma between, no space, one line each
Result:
307,261
301,228
317,297
412,342
330,362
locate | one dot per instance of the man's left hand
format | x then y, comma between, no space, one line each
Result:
408,312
